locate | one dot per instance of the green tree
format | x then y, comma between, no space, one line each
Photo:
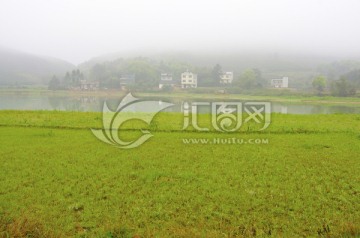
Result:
216,75
259,79
72,79
167,88
319,83
99,73
250,79
204,76
67,80
54,83
76,77
113,82
342,88
353,77
147,75
247,79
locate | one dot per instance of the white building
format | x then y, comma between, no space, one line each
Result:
188,80
226,78
166,80
280,83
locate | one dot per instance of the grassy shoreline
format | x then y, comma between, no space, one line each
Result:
117,94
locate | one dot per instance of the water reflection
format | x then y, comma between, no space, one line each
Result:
95,103
287,108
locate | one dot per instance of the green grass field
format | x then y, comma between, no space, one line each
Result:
58,180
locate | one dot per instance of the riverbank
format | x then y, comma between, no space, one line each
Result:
188,95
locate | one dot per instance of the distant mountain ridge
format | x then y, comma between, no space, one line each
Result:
20,68
237,61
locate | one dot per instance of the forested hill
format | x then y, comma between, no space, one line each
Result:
19,68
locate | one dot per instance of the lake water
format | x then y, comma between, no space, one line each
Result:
95,103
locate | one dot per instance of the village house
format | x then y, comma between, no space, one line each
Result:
166,80
126,80
86,85
188,80
280,83
226,77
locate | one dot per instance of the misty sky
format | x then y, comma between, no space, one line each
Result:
81,29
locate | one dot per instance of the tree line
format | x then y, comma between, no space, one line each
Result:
147,76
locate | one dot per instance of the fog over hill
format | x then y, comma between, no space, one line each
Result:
20,68
234,60
79,30
278,37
